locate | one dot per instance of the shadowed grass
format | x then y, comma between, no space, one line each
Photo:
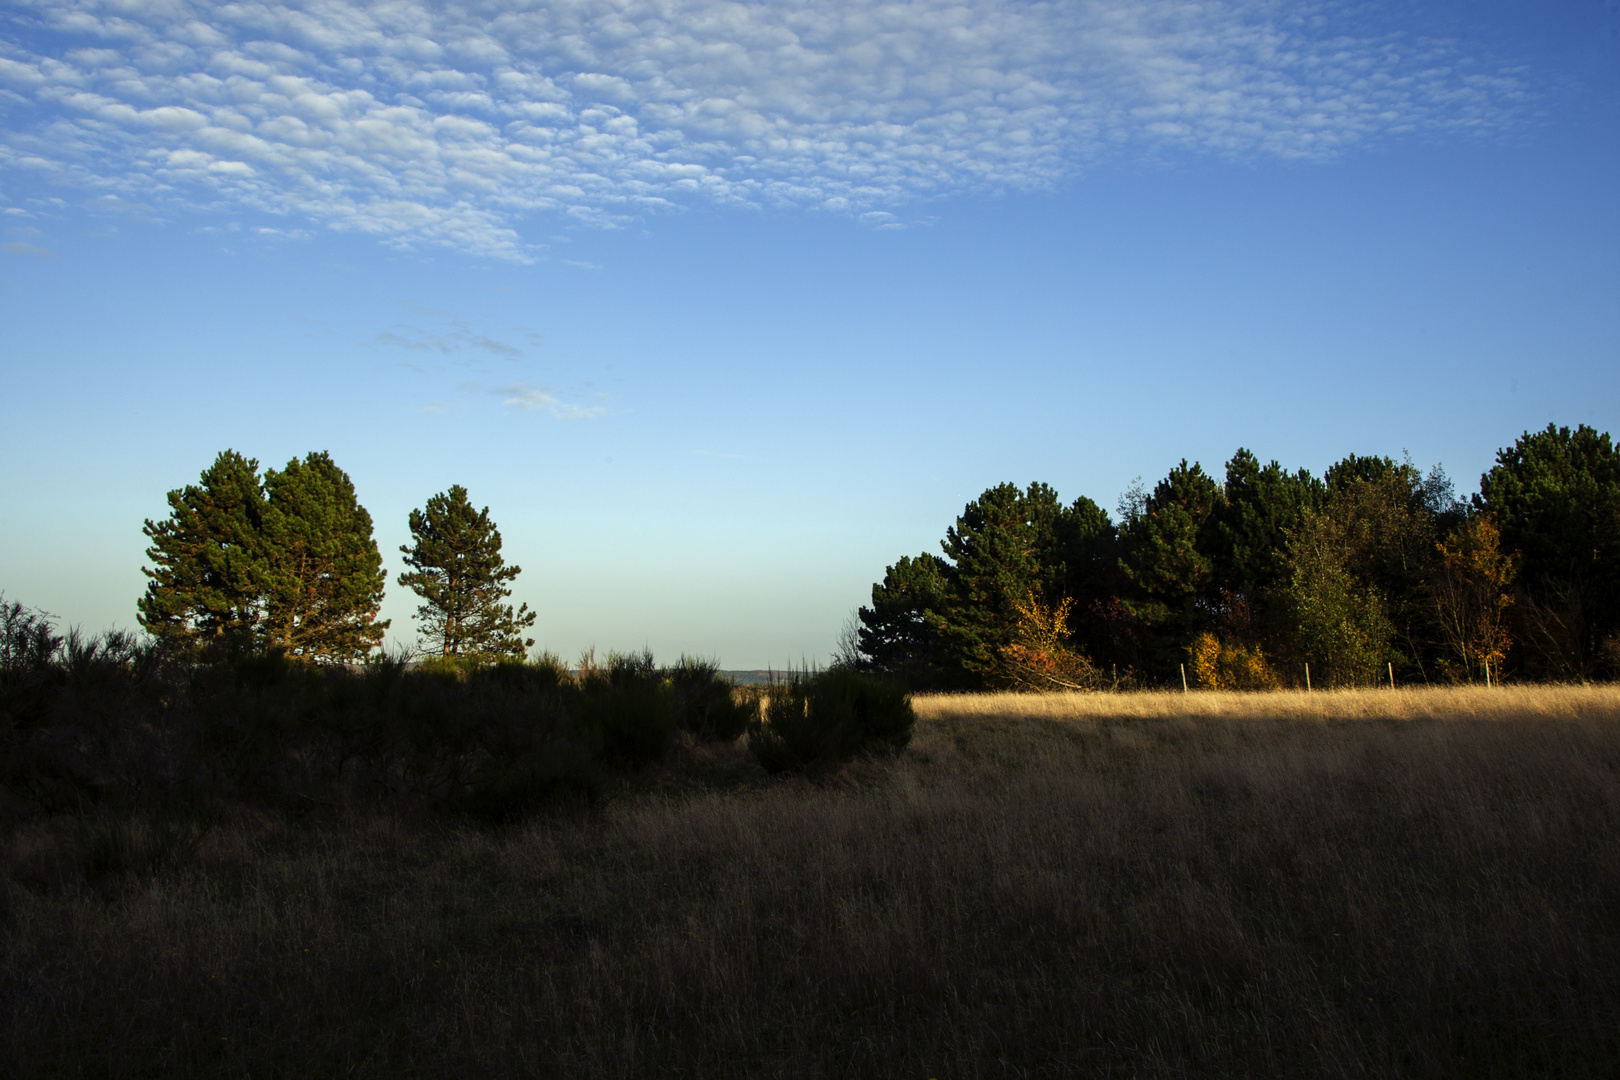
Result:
1349,884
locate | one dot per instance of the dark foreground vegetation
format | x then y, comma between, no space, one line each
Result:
112,724
1366,884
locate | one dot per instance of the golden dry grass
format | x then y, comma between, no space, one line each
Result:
1564,702
1370,884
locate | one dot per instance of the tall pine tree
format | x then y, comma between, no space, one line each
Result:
1556,496
1166,560
285,561
208,574
457,569
325,576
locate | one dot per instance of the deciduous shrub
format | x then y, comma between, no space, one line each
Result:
1230,665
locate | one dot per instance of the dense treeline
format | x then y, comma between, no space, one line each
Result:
1371,570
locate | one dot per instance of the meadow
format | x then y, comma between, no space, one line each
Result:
1371,883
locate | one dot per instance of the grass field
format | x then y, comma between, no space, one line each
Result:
1356,884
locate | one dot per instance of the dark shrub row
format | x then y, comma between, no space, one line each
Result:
115,721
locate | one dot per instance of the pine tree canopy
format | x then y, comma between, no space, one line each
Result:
207,579
458,571
1556,496
286,561
325,576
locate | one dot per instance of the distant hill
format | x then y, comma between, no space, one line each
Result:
754,678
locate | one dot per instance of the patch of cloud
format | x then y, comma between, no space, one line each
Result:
18,247
447,124
529,398
459,336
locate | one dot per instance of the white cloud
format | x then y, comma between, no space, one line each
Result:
449,123
529,398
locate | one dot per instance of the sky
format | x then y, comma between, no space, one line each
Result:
721,308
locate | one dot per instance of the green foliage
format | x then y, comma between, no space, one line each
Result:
1379,522
900,633
1272,563
1338,621
1168,563
323,573
829,716
1004,545
1260,508
1555,495
458,571
207,584
286,561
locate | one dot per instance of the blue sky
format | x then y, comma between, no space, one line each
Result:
721,307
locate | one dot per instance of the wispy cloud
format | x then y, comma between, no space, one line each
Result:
529,398
17,247
459,336
449,123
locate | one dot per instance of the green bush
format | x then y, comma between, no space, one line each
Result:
824,717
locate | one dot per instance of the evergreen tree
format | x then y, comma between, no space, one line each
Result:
1262,505
324,573
284,561
900,633
1167,541
1089,545
208,579
457,569
1005,545
1555,495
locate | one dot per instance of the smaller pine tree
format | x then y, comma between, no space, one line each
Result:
458,571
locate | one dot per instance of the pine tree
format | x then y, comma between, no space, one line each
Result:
1556,496
1006,544
458,570
1167,539
207,582
900,633
324,573
1262,506
286,561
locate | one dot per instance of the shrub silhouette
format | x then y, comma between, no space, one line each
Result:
705,700
828,716
113,724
